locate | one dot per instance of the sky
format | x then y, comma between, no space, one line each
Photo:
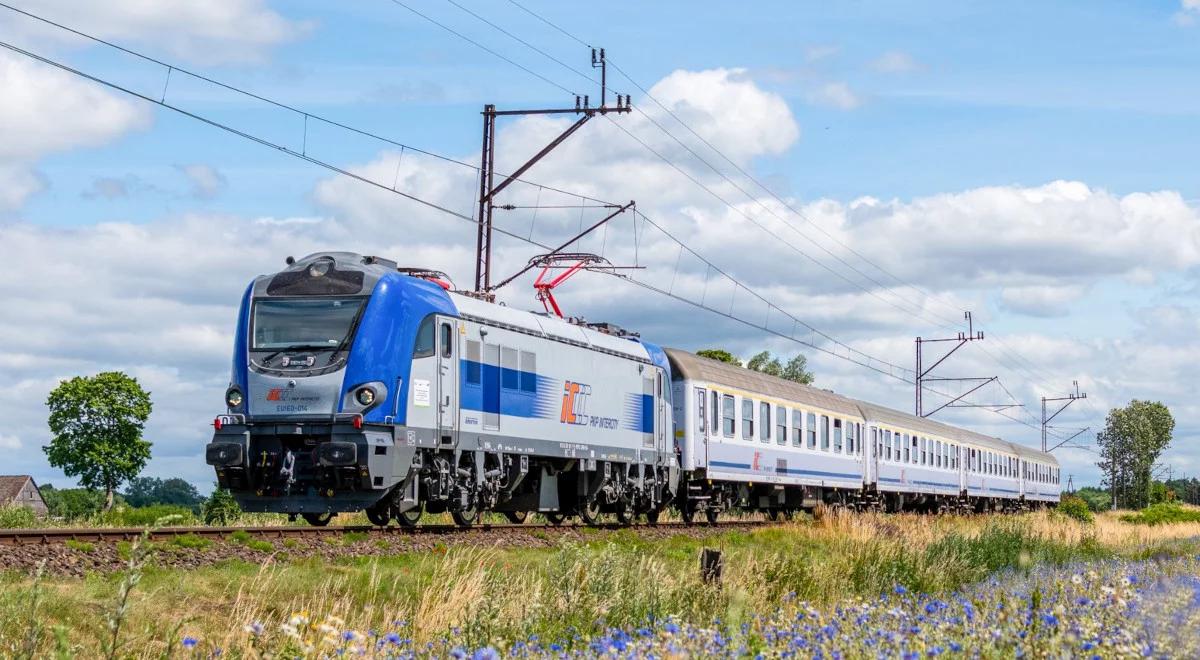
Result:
864,172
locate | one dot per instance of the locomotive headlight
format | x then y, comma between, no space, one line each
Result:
318,268
365,396
233,397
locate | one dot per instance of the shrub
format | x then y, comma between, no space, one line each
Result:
1163,514
259,545
190,541
80,546
16,517
73,503
1075,507
241,537
220,508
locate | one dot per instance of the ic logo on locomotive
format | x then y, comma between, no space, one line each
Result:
574,404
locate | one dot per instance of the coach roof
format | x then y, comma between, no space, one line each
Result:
694,367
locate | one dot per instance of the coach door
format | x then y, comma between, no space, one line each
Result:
447,350
871,464
662,416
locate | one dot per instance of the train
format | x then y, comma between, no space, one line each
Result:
358,385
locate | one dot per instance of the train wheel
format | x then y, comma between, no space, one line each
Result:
409,518
378,516
556,518
516,517
590,513
652,516
687,514
317,519
624,515
465,517
711,516
772,515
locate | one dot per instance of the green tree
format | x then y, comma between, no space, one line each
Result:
797,370
720,355
1096,498
97,424
764,363
1131,442
72,503
146,491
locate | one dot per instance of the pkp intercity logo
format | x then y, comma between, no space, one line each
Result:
574,405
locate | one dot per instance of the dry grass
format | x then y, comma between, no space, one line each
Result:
504,594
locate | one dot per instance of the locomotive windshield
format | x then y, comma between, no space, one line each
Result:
310,323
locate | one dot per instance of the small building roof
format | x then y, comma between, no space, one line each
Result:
12,485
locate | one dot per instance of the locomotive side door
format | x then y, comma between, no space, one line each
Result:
447,380
663,432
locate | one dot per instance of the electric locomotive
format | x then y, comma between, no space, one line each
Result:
358,387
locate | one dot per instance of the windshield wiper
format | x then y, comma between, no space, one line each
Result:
289,349
346,339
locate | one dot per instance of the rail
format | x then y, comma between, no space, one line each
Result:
48,536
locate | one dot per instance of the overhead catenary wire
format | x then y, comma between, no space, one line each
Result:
1014,361
484,48
849,354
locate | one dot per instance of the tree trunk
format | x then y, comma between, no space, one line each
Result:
108,498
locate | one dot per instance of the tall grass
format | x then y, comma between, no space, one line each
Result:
572,592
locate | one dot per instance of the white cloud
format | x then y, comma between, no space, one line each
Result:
144,299
10,442
1189,11
1041,300
895,61
835,95
206,181
203,32
47,111
820,52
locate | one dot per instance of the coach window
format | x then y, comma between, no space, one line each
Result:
916,451
781,419
851,436
824,430
837,436
764,421
887,442
424,346
810,425
716,412
907,450
747,419
728,419
701,413
797,428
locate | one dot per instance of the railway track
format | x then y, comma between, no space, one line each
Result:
51,536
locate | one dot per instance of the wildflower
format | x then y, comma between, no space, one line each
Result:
1077,579
392,638
1050,619
671,627
349,636
189,643
458,653
900,590
254,628
485,653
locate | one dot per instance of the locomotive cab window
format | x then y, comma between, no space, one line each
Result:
424,347
447,339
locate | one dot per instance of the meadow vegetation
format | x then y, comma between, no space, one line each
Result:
609,590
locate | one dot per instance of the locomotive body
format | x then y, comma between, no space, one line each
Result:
356,387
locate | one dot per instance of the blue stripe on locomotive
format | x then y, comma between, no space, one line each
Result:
241,354
382,348
491,389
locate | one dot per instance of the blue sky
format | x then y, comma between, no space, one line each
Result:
956,118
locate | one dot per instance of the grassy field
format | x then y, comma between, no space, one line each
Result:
864,585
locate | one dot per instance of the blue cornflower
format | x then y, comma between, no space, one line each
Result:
900,590
190,642
955,646
392,638
349,636
671,627
458,653
485,653
644,632
1088,646
1050,619
935,651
